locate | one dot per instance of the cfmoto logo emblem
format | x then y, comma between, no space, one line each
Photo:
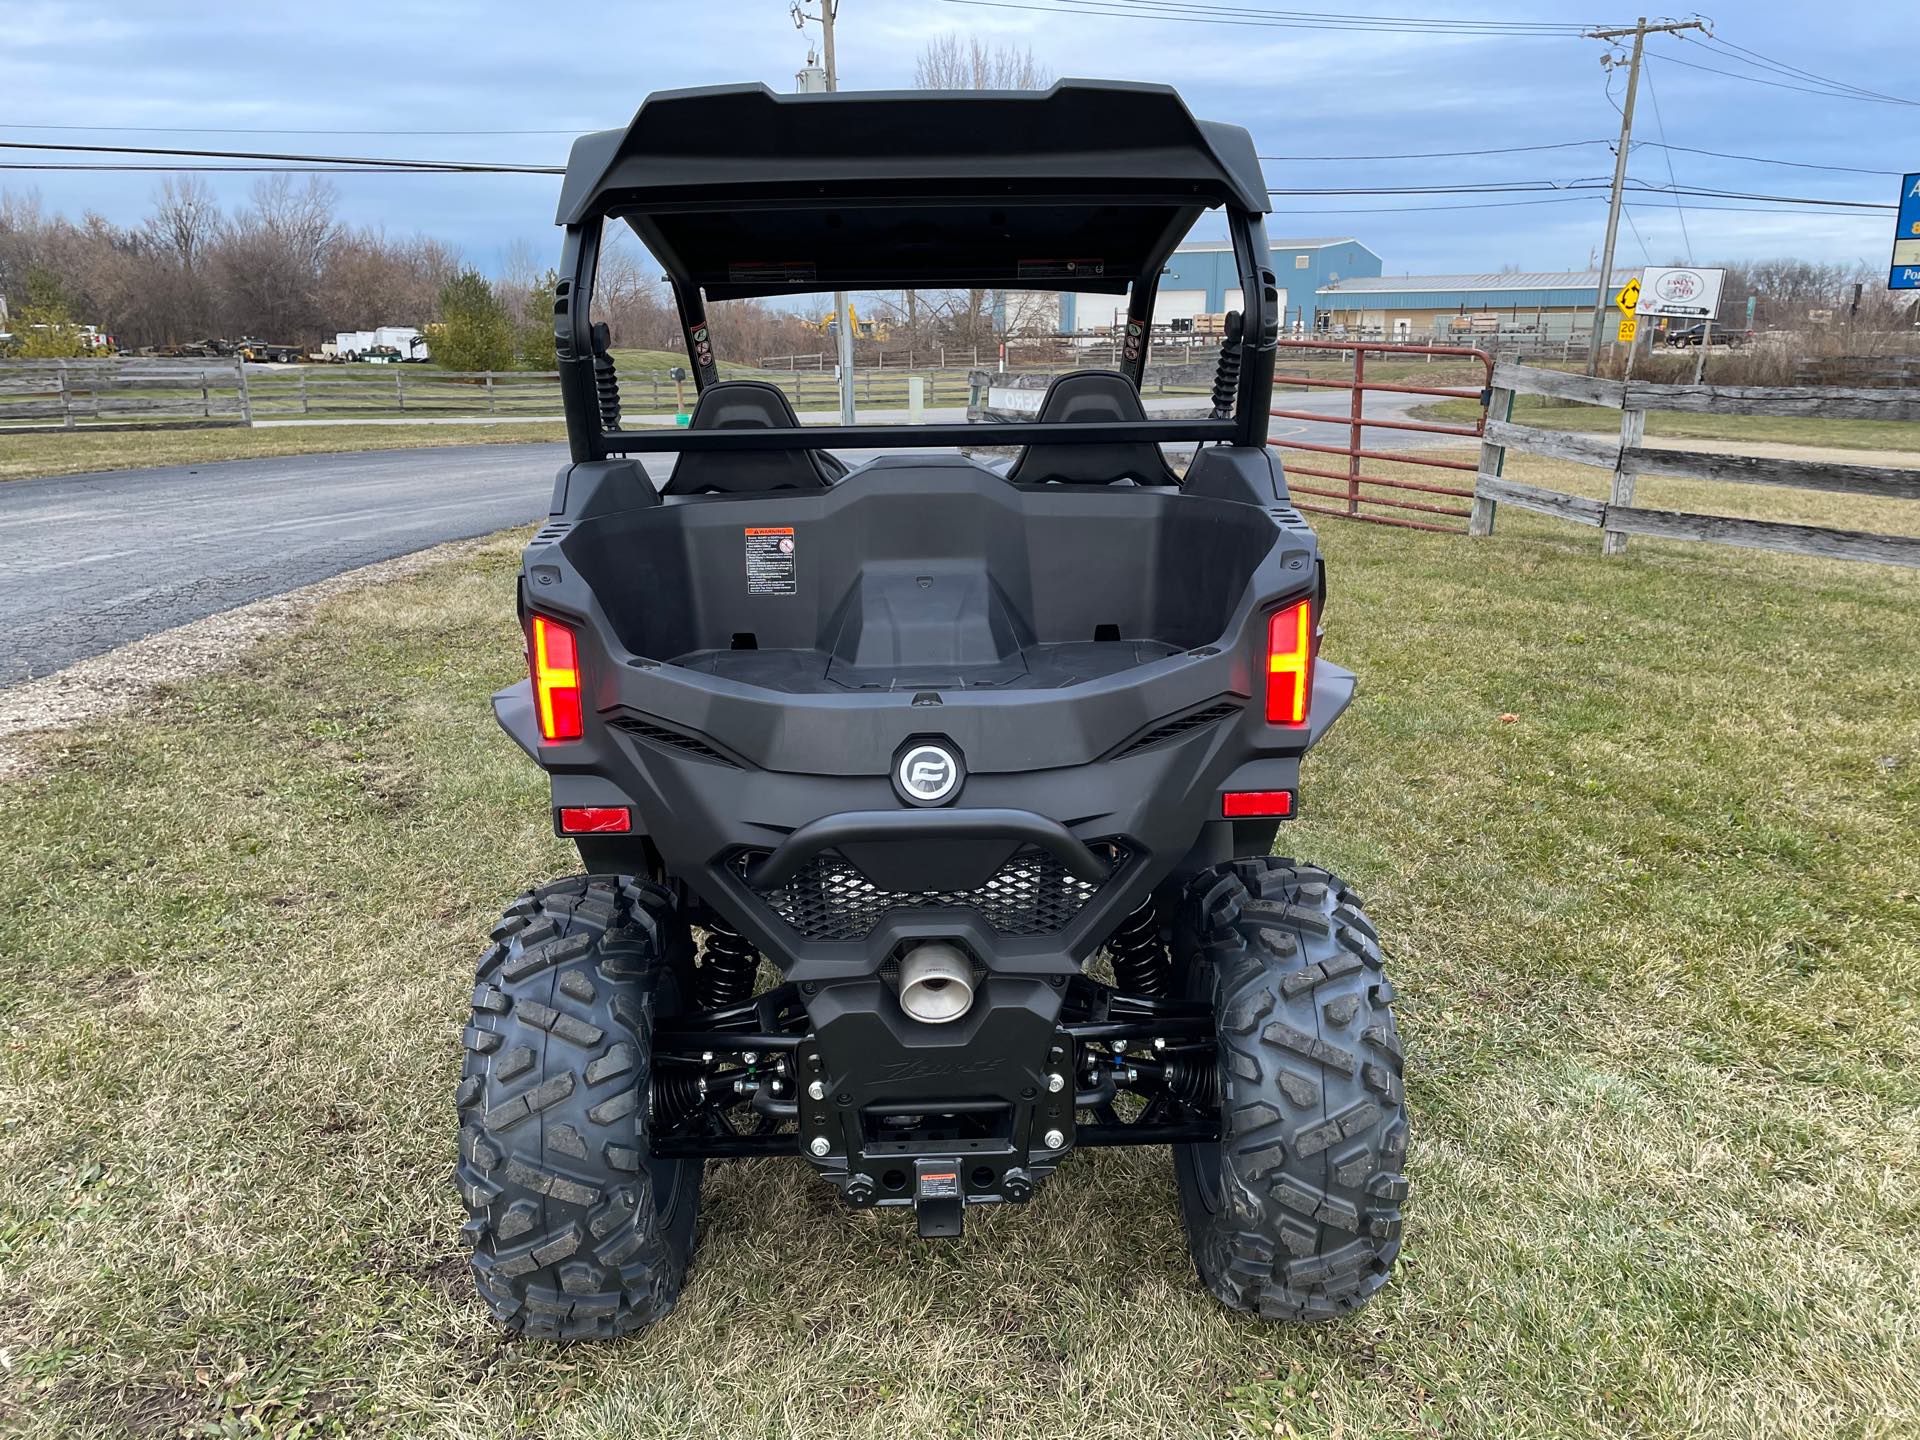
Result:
927,774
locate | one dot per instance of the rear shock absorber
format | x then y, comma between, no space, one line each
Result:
1226,369
727,967
1141,964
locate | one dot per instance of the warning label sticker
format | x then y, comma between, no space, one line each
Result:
770,560
939,1184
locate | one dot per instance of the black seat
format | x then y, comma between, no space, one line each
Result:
747,404
1092,395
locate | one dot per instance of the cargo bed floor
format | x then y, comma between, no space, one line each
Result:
1038,667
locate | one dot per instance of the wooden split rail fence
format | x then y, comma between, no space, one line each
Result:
1627,457
136,393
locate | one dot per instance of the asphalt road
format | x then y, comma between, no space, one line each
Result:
89,562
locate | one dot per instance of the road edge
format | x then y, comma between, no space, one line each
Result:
110,683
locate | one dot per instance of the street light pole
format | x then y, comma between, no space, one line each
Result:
1602,291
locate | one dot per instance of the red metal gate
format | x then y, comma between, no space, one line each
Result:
1351,495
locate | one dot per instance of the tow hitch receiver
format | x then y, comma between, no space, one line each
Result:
939,1204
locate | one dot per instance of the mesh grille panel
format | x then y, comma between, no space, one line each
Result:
1032,894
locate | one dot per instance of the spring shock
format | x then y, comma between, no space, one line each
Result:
727,967
1141,964
1226,370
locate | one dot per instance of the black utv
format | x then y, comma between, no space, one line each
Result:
926,805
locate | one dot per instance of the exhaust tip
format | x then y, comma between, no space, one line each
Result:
936,982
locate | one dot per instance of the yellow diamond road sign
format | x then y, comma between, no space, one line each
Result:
1629,327
1627,296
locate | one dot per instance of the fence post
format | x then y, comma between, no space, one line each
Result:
206,396
1493,459
303,391
1633,429
490,392
66,398
246,399
1358,409
399,387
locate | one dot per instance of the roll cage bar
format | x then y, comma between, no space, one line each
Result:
705,175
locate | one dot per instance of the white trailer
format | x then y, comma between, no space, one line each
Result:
407,339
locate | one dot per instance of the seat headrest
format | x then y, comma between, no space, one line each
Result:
742,404
1091,396
746,405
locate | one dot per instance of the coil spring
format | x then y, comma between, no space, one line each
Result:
1141,965
676,1095
606,385
727,967
1226,370
1195,1079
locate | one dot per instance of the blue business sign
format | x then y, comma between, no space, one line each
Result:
1906,238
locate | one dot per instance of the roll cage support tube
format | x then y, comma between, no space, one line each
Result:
1259,325
692,309
573,340
1138,341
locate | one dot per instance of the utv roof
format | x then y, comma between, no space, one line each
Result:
743,191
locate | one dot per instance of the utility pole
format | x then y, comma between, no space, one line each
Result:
842,326
1639,32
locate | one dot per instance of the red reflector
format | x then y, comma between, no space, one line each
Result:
1257,804
1290,664
553,659
595,820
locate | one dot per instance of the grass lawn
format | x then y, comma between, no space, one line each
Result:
1643,838
82,452
1786,430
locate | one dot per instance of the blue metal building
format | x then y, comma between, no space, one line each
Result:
1199,280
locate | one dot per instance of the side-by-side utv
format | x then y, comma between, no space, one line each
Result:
927,805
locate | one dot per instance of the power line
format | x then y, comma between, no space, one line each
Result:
1634,186
1782,85
483,167
226,130
1645,254
1764,210
1409,209
1780,67
1078,8
1446,154
1660,122
178,169
1762,159
1340,19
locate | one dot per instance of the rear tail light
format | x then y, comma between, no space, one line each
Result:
1257,804
554,659
595,820
1290,664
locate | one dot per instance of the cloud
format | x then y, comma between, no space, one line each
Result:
495,65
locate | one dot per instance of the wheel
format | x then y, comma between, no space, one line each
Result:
577,1231
1295,1211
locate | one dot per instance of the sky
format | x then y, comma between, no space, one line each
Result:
208,68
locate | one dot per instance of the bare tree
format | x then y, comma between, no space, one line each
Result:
185,219
954,62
